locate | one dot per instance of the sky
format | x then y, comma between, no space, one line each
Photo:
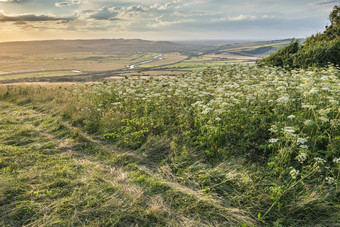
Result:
162,20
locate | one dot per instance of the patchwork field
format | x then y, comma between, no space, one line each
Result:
95,60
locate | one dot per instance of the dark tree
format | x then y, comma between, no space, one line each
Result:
318,50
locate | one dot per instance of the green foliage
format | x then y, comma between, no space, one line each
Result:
283,56
132,134
318,54
316,51
218,147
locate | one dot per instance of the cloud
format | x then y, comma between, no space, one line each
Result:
115,13
324,2
167,6
20,23
67,3
34,18
239,18
164,7
267,16
162,24
88,11
105,14
136,8
11,1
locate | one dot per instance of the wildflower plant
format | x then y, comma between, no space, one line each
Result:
243,108
287,120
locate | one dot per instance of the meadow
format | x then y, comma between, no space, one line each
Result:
239,145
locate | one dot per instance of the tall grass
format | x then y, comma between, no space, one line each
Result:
262,139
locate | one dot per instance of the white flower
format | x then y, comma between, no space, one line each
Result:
304,147
324,112
281,88
230,176
314,91
324,119
308,122
291,116
283,99
273,129
335,122
301,140
289,131
207,110
330,180
320,160
197,103
217,119
336,160
301,157
294,173
309,106
273,140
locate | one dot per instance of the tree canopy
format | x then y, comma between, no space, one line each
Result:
318,50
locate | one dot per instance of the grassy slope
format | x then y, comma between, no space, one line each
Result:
54,174
173,181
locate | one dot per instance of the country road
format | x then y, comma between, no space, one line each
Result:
155,58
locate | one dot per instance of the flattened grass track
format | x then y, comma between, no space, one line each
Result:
53,174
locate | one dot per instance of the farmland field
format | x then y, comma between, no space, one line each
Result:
62,60
238,145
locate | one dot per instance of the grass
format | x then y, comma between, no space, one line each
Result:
37,75
197,65
66,62
233,146
58,67
167,59
52,174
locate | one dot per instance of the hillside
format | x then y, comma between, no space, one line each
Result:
318,50
104,46
253,49
231,146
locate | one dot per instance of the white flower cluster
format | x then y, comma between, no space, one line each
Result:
301,157
288,105
320,160
336,160
294,173
330,180
273,140
301,140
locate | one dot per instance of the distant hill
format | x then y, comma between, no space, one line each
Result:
105,46
10,50
257,49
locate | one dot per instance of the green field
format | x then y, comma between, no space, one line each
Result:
37,75
201,64
239,145
52,61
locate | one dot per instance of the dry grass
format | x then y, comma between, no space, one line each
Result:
94,189
231,56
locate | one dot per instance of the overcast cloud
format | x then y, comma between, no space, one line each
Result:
165,20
